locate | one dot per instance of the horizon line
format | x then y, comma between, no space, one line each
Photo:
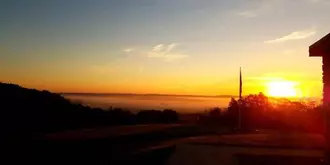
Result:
179,95
144,94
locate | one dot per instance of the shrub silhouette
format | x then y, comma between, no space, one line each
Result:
259,111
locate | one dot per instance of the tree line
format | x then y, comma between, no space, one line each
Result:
257,111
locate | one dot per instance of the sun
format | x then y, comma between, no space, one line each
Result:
282,88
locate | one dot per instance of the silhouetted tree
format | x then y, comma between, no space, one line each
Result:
170,116
149,116
232,114
257,111
253,108
215,112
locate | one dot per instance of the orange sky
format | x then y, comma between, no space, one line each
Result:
169,47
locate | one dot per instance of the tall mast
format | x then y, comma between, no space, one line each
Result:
240,83
240,98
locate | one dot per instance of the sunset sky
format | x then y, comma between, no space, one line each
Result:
161,46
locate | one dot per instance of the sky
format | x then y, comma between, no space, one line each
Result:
161,46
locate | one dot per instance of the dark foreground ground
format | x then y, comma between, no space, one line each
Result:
110,145
167,144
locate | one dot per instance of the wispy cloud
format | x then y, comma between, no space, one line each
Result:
247,14
267,8
296,35
166,52
157,48
254,8
170,47
320,1
128,50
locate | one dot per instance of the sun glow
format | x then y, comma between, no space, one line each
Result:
283,88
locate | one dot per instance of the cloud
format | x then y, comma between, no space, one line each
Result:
297,35
166,52
267,8
254,8
248,14
128,50
320,1
326,2
157,48
170,47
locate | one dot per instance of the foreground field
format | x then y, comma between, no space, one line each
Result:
111,132
172,144
188,144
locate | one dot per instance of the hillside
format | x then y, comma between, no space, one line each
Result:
29,111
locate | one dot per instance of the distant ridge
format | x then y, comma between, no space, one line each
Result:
132,94
176,95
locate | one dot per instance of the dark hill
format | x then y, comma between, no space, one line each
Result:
29,111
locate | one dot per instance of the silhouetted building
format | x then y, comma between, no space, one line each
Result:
321,48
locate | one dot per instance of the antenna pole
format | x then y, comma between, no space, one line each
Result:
240,98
